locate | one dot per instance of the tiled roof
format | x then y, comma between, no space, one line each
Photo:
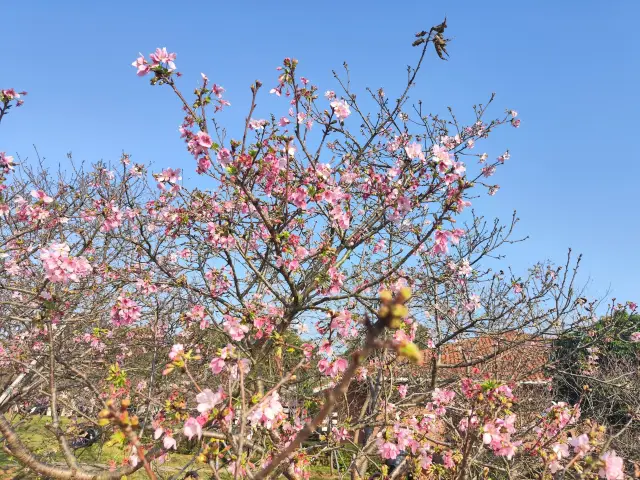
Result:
511,357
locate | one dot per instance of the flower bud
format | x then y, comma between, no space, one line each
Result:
386,296
384,311
399,311
411,351
404,294
395,323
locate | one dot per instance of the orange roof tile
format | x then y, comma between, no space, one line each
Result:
511,358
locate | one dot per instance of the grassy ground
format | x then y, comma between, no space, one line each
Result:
33,432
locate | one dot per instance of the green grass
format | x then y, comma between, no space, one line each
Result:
34,434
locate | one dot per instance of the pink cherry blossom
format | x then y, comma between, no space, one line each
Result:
169,443
414,150
162,56
473,304
488,171
207,399
580,444
6,162
402,390
217,365
242,365
125,311
113,217
203,139
40,195
613,468
340,434
387,450
268,412
192,428
141,65
467,422
234,328
341,109
555,466
380,245
442,396
332,368
224,157
176,351
441,242
59,267
257,124
337,280
169,175
561,450
10,94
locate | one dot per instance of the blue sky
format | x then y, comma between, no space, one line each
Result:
570,68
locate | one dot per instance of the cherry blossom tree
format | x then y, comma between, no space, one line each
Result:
332,249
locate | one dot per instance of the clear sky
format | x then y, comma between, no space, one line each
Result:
571,68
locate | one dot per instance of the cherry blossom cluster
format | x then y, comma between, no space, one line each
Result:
160,59
7,163
59,267
9,98
125,311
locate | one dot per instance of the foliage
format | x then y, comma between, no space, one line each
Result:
598,367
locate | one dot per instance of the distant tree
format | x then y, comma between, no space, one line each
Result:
598,366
